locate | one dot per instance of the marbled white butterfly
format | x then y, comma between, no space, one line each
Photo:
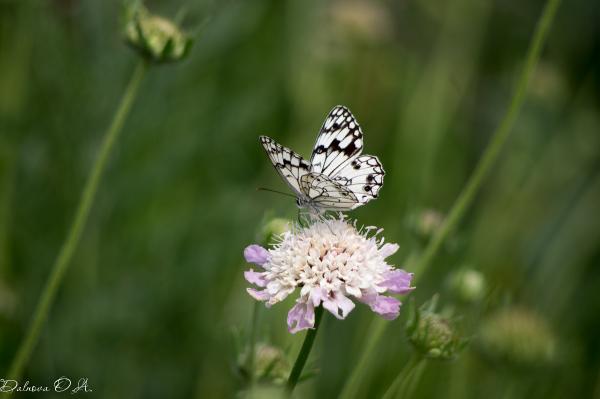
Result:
337,176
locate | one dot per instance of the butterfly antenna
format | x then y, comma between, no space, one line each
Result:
275,191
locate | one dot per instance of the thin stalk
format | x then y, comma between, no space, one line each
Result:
410,383
511,389
499,137
352,388
401,377
468,193
304,352
252,344
70,244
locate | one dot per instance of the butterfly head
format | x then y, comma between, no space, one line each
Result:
308,205
302,202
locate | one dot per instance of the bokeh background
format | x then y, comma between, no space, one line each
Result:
154,304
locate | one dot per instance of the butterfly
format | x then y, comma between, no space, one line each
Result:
337,177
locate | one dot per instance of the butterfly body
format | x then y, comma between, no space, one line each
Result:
337,177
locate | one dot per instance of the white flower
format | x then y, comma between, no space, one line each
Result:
330,261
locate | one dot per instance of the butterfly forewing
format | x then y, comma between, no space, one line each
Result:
290,166
339,142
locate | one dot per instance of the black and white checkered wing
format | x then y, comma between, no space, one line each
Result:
290,165
363,176
339,142
326,194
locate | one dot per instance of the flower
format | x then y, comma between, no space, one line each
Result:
433,334
359,19
273,228
270,364
7,300
329,261
156,38
468,285
519,338
424,223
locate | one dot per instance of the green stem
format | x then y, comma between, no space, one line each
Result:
68,248
352,388
499,137
252,344
401,377
304,352
467,195
411,381
510,390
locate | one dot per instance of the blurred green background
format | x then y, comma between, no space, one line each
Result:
154,304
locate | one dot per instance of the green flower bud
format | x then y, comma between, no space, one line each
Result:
264,392
468,285
270,364
273,228
425,223
7,300
156,38
517,337
432,334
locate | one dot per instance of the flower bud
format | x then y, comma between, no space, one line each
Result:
272,228
7,300
468,285
270,364
156,38
425,223
264,392
517,337
433,334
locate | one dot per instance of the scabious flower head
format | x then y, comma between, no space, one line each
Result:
158,39
7,300
468,285
424,223
273,228
270,364
517,337
433,334
329,261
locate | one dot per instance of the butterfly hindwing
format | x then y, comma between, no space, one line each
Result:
290,166
326,194
340,140
363,176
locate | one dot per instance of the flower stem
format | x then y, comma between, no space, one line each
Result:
402,376
352,388
304,352
410,383
467,195
499,137
252,344
70,244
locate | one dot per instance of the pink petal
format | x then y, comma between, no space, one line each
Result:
301,317
258,295
354,291
397,281
317,294
387,307
255,278
256,254
388,250
338,305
